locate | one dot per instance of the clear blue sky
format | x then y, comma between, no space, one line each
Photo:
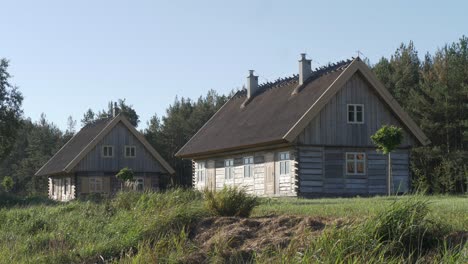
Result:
68,56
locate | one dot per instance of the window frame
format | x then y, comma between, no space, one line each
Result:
94,189
356,161
107,156
228,169
355,113
248,166
130,147
284,162
200,171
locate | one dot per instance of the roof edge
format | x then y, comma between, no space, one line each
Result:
105,131
201,128
355,66
92,144
148,146
38,172
231,149
315,108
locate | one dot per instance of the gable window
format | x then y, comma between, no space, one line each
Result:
95,185
107,151
284,163
228,168
130,151
355,163
248,167
355,113
200,171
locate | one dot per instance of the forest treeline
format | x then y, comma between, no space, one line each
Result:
432,88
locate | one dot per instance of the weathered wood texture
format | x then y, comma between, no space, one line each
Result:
265,181
57,189
330,126
111,185
310,169
119,137
323,171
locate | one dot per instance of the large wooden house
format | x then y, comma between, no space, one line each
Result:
305,135
88,163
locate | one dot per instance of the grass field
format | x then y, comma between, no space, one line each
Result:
156,227
452,210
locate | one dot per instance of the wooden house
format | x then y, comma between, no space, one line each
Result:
305,135
88,163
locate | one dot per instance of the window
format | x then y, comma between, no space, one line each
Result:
355,113
107,151
228,169
248,167
200,171
355,163
130,151
284,163
95,185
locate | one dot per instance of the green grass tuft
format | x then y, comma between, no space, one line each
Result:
230,201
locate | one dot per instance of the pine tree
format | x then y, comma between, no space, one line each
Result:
10,111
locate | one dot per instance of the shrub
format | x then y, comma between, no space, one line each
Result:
230,202
7,183
125,175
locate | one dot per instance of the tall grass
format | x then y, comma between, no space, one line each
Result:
88,232
157,228
402,233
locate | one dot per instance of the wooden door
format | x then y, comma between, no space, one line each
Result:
211,175
270,179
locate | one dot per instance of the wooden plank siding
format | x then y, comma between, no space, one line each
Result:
322,171
265,181
111,184
310,169
330,126
56,191
119,137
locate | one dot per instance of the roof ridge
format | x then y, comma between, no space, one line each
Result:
282,81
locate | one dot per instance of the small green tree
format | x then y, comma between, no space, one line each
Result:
7,183
387,138
125,175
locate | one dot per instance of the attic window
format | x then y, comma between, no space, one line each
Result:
107,151
355,114
130,151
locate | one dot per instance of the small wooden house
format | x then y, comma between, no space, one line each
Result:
88,163
305,135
